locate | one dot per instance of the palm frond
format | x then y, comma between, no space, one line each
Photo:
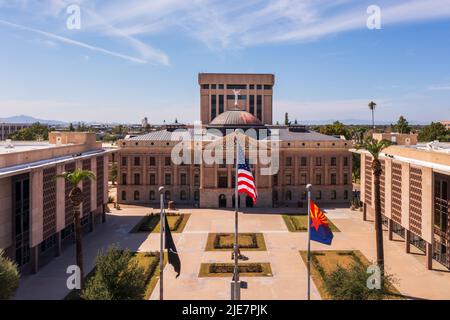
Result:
77,176
374,147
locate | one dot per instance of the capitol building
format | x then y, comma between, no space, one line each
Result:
230,102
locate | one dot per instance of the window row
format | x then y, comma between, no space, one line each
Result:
318,179
318,195
153,194
289,161
136,161
167,179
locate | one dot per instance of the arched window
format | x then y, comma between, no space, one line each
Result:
124,195
222,201
136,195
152,195
183,195
288,195
167,195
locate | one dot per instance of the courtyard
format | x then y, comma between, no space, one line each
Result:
282,252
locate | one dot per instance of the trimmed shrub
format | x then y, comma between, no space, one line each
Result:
9,277
229,268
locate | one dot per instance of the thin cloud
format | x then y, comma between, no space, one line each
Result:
439,88
73,42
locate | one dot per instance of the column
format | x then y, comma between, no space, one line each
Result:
58,244
429,253
364,212
408,241
35,259
390,229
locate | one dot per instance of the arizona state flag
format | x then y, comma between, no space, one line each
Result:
319,229
172,253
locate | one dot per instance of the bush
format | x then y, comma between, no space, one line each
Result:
9,277
117,277
351,284
229,268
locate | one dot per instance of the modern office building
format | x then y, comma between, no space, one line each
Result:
415,198
36,218
145,162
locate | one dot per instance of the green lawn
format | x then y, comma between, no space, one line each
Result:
299,223
226,270
225,242
150,223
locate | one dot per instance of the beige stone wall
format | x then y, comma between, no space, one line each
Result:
388,188
5,213
427,204
405,195
60,200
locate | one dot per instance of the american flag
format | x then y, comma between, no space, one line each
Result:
245,181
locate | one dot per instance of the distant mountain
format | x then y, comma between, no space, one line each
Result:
29,119
358,122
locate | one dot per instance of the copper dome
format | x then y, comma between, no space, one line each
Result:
236,118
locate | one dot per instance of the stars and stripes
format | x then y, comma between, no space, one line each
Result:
245,182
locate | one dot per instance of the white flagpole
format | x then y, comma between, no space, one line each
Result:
236,243
161,245
308,259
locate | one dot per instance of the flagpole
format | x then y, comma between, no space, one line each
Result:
161,245
308,259
236,244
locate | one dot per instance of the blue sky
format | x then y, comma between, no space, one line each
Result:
139,58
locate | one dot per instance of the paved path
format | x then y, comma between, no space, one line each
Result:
289,271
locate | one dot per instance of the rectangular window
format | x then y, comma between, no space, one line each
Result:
124,161
345,161
137,161
333,194
288,161
319,195
124,178
259,107
318,179
237,86
168,179
252,104
333,178
275,180
196,180
137,179
303,179
213,87
259,86
152,161
252,87
152,179
345,194
213,107
221,86
304,161
318,161
345,178
205,86
168,161
333,161
222,181
267,87
183,179
288,180
221,104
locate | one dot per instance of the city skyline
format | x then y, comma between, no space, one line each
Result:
328,64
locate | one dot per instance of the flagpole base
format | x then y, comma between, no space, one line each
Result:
235,294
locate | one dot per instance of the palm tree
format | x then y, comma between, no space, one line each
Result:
372,106
76,197
374,147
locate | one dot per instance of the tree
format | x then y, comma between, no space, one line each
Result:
9,277
71,128
374,147
402,125
435,131
372,106
113,173
286,119
117,277
76,197
36,131
336,129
